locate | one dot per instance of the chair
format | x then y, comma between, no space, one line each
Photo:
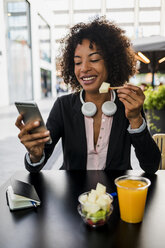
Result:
160,141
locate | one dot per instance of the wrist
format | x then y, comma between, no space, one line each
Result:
35,159
136,122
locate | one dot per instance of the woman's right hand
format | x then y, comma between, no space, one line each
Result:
35,142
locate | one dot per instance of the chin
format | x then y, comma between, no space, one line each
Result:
91,86
92,91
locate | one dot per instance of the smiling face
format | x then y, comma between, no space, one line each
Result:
89,66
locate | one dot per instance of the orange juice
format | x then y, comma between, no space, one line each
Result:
132,193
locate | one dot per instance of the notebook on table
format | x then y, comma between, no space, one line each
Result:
21,195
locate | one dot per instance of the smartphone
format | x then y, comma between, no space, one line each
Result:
31,112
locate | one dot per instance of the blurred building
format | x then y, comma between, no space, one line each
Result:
27,57
137,17
30,32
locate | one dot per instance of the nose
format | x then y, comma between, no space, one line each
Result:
85,66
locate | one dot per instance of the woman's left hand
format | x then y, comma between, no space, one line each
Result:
133,98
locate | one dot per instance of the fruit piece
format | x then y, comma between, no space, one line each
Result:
106,198
104,87
83,198
91,208
100,189
90,222
92,196
103,203
93,191
99,214
100,222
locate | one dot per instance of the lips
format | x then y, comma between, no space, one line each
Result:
88,79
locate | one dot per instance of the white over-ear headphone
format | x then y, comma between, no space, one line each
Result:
89,108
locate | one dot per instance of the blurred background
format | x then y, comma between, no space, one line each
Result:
30,33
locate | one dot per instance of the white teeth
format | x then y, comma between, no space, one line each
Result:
89,78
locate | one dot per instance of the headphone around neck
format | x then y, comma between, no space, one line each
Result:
89,108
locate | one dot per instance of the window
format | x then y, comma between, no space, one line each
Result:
149,30
58,4
45,83
44,40
60,33
149,16
119,4
129,31
85,17
19,50
121,17
149,3
61,19
87,4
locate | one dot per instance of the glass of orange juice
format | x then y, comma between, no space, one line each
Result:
132,193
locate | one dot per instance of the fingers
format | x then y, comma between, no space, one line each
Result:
35,139
131,90
34,142
27,137
30,143
29,127
18,122
23,135
25,128
132,94
133,98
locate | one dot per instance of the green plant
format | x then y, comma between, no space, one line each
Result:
155,98
151,116
154,101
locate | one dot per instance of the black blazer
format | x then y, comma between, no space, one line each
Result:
67,122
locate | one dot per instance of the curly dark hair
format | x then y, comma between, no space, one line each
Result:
116,49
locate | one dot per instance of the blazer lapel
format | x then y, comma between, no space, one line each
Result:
116,130
80,125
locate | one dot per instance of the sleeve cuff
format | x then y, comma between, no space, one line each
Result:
34,164
137,130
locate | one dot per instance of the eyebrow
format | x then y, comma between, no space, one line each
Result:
76,56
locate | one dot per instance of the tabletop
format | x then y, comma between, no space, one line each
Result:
56,223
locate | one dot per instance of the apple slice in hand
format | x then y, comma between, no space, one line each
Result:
105,87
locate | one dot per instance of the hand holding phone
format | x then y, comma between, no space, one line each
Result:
31,113
33,132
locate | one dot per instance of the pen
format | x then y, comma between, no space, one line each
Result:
113,194
34,204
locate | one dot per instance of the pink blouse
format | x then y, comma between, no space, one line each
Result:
96,156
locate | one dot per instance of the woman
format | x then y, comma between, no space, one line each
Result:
97,130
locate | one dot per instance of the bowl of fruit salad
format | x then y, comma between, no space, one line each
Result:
95,206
